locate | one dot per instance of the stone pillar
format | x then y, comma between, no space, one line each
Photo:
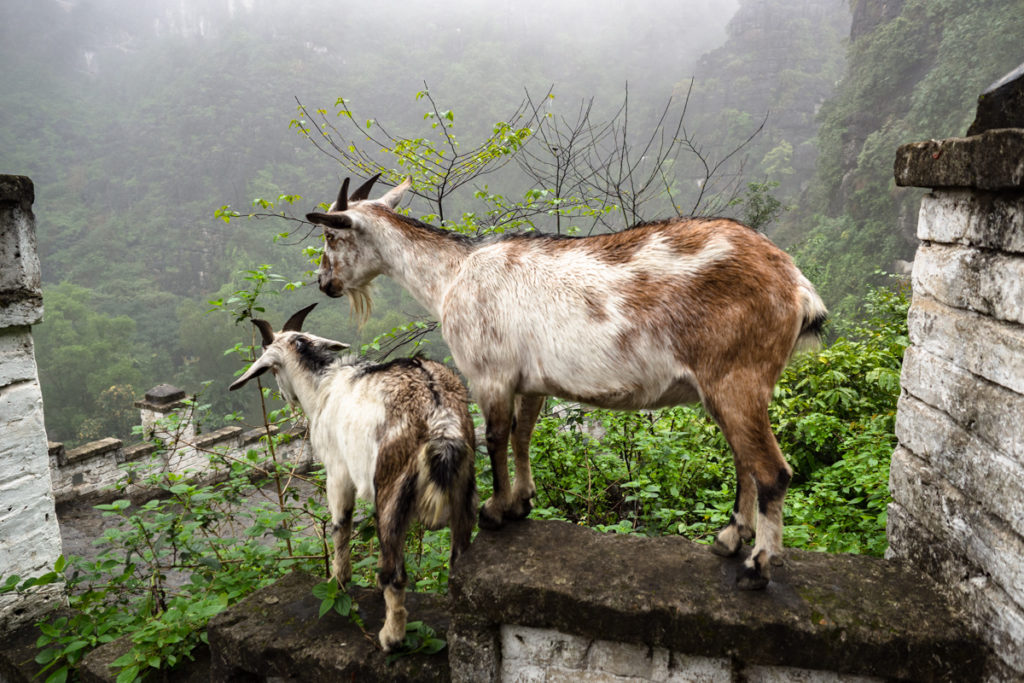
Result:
957,476
160,403
29,536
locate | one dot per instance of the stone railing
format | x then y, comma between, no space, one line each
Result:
90,472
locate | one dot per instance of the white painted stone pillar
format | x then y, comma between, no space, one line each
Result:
29,536
957,476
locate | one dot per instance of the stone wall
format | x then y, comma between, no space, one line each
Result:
554,601
91,471
957,477
29,536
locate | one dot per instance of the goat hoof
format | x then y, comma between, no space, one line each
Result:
520,510
723,550
751,579
488,521
390,646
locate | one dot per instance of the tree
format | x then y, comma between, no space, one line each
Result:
84,359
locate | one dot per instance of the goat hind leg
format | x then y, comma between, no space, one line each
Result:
771,493
393,510
740,528
527,409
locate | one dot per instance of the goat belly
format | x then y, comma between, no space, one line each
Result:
346,438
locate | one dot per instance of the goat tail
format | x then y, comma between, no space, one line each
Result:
446,477
813,316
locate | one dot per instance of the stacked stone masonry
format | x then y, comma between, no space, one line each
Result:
957,477
29,536
93,470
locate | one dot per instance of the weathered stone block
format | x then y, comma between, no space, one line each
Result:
983,281
990,412
673,594
1001,105
993,160
983,346
960,525
932,525
21,300
17,352
977,470
980,219
275,632
984,603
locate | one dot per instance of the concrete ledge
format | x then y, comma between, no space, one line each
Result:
17,189
855,615
216,437
993,160
274,634
93,449
139,451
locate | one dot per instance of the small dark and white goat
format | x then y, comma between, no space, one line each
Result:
664,313
397,433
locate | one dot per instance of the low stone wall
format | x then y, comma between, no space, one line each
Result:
29,536
553,601
91,471
957,477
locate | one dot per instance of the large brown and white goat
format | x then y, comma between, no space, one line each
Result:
397,433
664,313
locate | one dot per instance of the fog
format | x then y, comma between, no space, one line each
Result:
137,119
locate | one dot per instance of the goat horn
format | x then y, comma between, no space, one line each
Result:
363,191
341,203
294,323
266,331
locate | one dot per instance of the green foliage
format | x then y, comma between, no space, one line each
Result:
669,471
419,639
914,77
87,369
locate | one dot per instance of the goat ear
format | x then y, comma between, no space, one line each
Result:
332,345
294,323
266,331
363,191
255,370
341,203
394,195
338,221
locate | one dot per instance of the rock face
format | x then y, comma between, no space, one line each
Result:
957,478
29,536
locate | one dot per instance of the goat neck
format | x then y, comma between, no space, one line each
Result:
423,259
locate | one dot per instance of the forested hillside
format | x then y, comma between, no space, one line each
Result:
914,71
137,120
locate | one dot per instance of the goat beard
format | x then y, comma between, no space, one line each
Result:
360,304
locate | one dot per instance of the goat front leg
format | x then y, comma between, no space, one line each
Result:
340,502
498,417
527,409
